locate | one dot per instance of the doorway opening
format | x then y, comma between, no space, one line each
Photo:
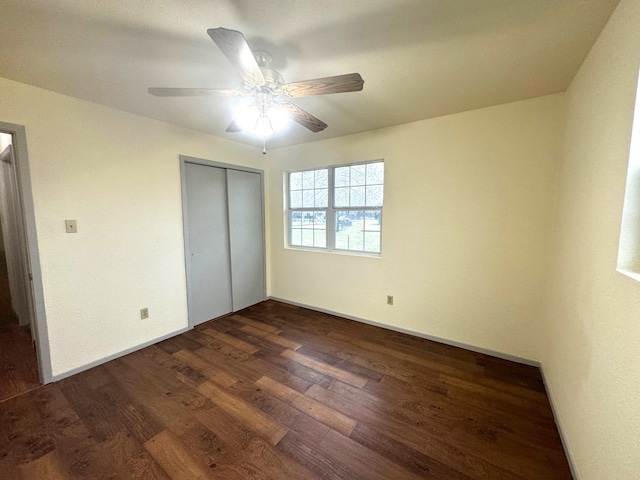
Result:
24,354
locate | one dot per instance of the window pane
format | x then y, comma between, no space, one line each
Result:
341,242
319,220
341,177
372,220
372,242
307,238
348,235
307,180
295,181
374,196
308,228
320,238
307,198
358,175
375,173
322,197
295,200
356,198
342,197
322,178
296,236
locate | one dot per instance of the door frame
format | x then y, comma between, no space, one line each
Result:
27,211
184,159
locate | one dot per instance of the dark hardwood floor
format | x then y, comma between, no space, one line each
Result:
281,392
18,363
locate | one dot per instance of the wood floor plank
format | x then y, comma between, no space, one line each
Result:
282,412
244,412
429,363
233,341
47,466
191,359
293,374
307,453
317,410
400,453
183,372
156,404
273,338
205,368
261,460
208,447
178,462
234,329
330,370
259,325
93,412
363,459
131,460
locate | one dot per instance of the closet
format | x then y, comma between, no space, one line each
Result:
223,217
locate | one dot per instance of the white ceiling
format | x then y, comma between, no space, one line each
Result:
419,58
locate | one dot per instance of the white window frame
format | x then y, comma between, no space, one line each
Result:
330,210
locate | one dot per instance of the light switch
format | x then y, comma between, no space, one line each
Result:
71,225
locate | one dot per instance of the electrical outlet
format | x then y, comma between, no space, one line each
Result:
389,299
144,313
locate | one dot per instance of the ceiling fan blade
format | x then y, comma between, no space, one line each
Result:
234,127
304,118
235,48
350,82
192,92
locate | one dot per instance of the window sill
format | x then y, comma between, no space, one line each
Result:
337,252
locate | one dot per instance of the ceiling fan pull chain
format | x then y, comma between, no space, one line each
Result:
264,145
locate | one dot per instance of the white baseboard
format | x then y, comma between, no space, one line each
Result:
563,439
446,341
122,353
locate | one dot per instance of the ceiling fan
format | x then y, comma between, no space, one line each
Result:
268,109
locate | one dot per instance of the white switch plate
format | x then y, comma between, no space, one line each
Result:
71,226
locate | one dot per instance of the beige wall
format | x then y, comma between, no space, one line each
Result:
591,354
469,200
118,175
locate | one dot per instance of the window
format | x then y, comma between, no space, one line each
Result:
337,208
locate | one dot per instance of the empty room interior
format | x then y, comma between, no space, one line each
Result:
300,239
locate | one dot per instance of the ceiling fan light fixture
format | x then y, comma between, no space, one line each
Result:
263,127
248,116
278,117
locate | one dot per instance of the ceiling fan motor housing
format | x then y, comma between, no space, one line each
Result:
273,80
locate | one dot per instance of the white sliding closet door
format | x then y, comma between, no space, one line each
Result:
209,265
224,240
244,191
